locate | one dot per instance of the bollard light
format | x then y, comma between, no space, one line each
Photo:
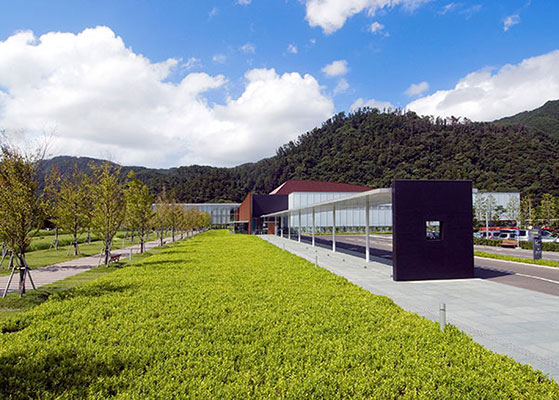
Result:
442,316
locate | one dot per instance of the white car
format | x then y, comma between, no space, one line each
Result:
507,235
548,237
483,235
523,235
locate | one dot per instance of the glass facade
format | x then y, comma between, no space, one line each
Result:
222,214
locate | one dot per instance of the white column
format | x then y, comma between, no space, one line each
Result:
299,229
281,230
334,229
276,226
313,225
288,225
367,240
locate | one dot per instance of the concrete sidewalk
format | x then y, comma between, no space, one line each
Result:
520,323
52,273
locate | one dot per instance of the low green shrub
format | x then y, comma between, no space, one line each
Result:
487,242
230,316
546,246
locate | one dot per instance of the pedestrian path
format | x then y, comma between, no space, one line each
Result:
508,320
53,273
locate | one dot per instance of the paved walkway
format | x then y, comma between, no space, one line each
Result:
52,273
520,323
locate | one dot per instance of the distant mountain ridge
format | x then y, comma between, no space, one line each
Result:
370,148
544,118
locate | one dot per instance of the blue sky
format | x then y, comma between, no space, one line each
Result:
259,69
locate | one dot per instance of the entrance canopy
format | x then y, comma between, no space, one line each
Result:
369,198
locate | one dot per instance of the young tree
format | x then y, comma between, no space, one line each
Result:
499,212
513,208
50,196
73,205
109,203
547,209
139,207
20,207
161,218
491,205
173,217
480,207
527,211
190,219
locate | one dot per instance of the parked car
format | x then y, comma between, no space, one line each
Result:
507,236
486,235
523,235
548,236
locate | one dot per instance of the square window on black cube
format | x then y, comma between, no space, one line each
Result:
433,230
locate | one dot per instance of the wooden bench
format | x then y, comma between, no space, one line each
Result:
509,243
115,258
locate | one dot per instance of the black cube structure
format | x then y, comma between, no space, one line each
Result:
432,230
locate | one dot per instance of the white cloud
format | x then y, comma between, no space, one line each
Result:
510,21
292,49
331,15
341,87
244,2
416,89
376,27
219,58
213,12
191,63
336,68
449,7
102,98
248,48
371,103
488,94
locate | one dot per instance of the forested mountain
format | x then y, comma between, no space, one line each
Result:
372,148
544,118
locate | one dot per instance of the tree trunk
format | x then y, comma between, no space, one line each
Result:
142,244
76,250
22,275
161,238
107,252
89,236
56,238
173,234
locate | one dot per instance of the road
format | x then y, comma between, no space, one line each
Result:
533,277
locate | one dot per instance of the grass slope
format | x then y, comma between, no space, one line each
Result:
230,316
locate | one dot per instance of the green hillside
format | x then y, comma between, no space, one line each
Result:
372,148
545,118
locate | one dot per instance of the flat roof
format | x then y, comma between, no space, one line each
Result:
298,185
373,197
209,204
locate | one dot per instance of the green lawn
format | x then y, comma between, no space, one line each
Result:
231,316
13,303
548,263
41,258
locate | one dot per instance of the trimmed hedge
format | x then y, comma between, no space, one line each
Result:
487,242
546,246
231,316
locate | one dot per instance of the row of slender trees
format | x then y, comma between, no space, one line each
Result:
528,212
78,203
